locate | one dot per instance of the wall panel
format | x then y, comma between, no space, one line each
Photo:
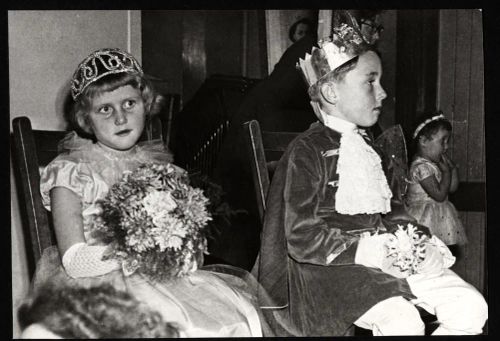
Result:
461,97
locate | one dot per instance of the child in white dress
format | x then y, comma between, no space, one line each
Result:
112,100
432,176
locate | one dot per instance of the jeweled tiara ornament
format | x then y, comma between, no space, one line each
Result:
347,42
101,63
426,122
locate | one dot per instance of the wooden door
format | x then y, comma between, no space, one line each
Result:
461,97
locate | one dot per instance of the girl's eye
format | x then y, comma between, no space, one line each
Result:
129,104
105,110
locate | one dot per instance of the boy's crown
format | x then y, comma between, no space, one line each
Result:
346,43
101,63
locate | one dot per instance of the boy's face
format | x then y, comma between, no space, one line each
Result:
359,95
117,117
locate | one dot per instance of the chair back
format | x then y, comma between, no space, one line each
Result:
160,126
265,148
32,150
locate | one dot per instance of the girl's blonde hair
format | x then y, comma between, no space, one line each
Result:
77,117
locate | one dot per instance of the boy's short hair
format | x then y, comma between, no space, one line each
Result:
336,75
77,116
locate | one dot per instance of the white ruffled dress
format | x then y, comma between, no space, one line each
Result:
441,217
206,303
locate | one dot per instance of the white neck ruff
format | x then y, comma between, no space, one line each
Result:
362,186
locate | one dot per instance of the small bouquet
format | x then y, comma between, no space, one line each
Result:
155,222
407,246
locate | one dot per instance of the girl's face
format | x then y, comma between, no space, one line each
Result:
359,95
117,117
436,146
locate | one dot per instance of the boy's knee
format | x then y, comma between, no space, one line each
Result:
475,305
402,318
466,315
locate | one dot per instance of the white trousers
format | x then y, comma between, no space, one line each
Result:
393,316
460,309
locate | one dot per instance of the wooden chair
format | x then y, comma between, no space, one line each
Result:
265,148
160,126
33,149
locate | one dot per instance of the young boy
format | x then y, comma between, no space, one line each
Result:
327,192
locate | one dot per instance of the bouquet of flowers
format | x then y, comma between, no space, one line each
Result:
155,222
407,246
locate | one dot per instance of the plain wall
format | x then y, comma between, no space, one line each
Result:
44,49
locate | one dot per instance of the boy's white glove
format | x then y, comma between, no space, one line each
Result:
371,251
82,260
437,257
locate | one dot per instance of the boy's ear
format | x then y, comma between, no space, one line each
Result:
328,92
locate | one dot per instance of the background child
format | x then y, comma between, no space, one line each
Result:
432,176
112,99
328,190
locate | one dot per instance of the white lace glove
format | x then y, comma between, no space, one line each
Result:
371,250
82,260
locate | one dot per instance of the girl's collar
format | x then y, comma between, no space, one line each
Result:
116,154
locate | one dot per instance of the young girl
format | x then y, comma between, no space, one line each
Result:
112,100
432,176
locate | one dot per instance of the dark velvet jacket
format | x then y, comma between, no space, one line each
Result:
302,228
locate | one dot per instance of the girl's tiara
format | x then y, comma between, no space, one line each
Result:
101,63
426,122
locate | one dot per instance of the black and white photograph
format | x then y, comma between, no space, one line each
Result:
259,172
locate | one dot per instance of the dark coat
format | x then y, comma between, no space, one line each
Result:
302,228
280,103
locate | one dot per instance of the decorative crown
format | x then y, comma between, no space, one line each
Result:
347,42
101,63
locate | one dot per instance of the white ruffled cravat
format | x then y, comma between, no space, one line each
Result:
362,186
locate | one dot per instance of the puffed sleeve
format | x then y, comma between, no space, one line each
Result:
64,172
311,238
421,171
